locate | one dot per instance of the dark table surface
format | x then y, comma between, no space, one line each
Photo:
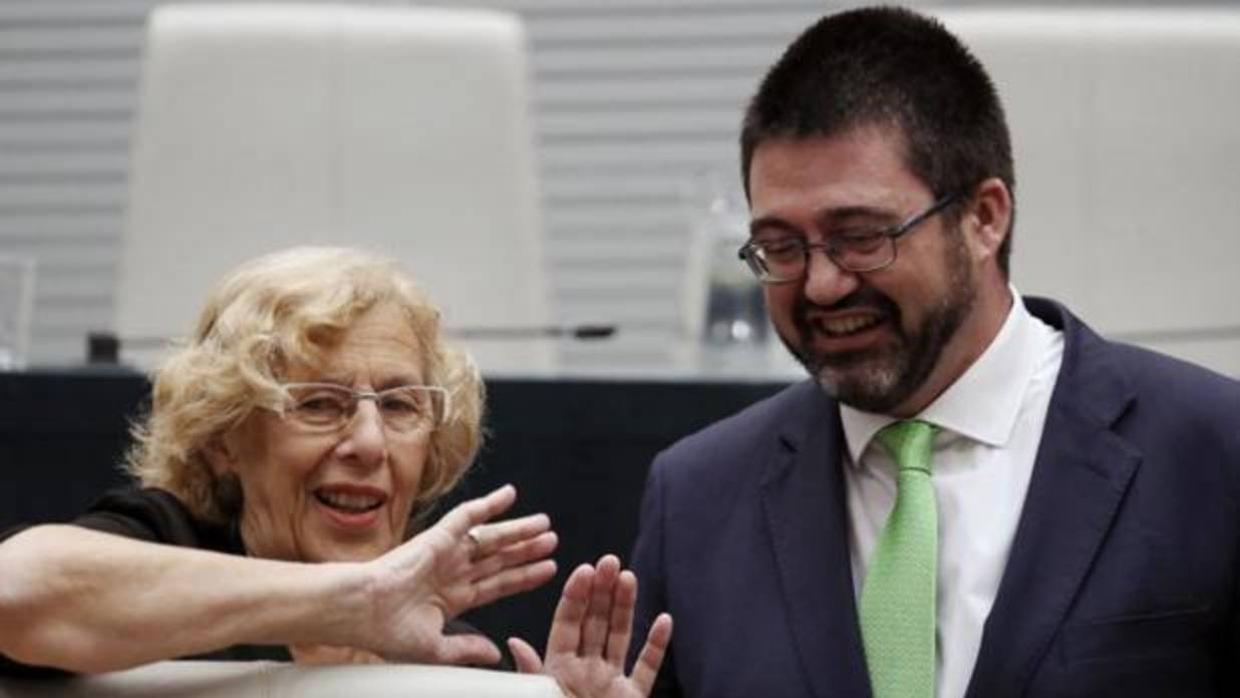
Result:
578,449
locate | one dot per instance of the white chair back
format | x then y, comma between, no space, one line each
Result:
1126,133
398,129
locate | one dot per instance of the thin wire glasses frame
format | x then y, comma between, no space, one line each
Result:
328,407
787,260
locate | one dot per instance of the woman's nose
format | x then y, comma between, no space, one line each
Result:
366,437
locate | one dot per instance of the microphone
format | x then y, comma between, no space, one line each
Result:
105,347
583,332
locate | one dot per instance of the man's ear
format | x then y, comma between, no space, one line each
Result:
988,217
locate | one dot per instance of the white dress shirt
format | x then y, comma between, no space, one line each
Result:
990,423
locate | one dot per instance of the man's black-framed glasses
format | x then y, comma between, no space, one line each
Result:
787,259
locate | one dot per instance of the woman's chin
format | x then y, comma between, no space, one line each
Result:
345,536
340,551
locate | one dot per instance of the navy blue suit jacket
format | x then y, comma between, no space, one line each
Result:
1122,578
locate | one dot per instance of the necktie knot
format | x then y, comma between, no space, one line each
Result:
909,443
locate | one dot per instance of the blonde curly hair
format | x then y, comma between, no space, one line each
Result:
273,312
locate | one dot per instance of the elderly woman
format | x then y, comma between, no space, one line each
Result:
290,455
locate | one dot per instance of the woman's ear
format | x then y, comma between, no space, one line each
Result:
989,218
221,454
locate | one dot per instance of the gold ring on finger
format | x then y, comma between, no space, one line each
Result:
476,537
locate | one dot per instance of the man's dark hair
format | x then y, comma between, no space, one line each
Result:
889,67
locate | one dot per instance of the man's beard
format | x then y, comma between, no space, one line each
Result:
880,379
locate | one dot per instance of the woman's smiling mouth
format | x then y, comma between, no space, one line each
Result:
350,506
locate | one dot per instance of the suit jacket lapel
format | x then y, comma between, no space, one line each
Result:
804,503
1080,477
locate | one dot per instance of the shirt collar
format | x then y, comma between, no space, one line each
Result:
983,404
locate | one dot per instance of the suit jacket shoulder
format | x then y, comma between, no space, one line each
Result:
717,459
1112,587
1151,400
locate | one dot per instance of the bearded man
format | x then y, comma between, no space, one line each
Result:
973,494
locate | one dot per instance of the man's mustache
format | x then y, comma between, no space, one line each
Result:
864,297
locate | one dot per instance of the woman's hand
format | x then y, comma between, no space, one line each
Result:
590,636
460,563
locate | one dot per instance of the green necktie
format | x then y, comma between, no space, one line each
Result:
898,597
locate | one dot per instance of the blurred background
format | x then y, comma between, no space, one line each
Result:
635,106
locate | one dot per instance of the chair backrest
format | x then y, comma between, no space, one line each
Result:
1126,134
398,129
270,680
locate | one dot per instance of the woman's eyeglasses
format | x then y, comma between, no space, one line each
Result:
331,407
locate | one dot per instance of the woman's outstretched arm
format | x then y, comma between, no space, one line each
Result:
87,601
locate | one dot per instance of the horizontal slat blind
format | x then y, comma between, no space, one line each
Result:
67,76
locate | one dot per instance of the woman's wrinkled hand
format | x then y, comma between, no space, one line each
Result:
590,635
459,563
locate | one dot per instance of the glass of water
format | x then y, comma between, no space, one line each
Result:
16,310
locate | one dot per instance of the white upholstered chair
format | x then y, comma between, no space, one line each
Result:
1126,133
269,680
399,129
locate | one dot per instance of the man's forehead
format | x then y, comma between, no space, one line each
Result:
841,175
